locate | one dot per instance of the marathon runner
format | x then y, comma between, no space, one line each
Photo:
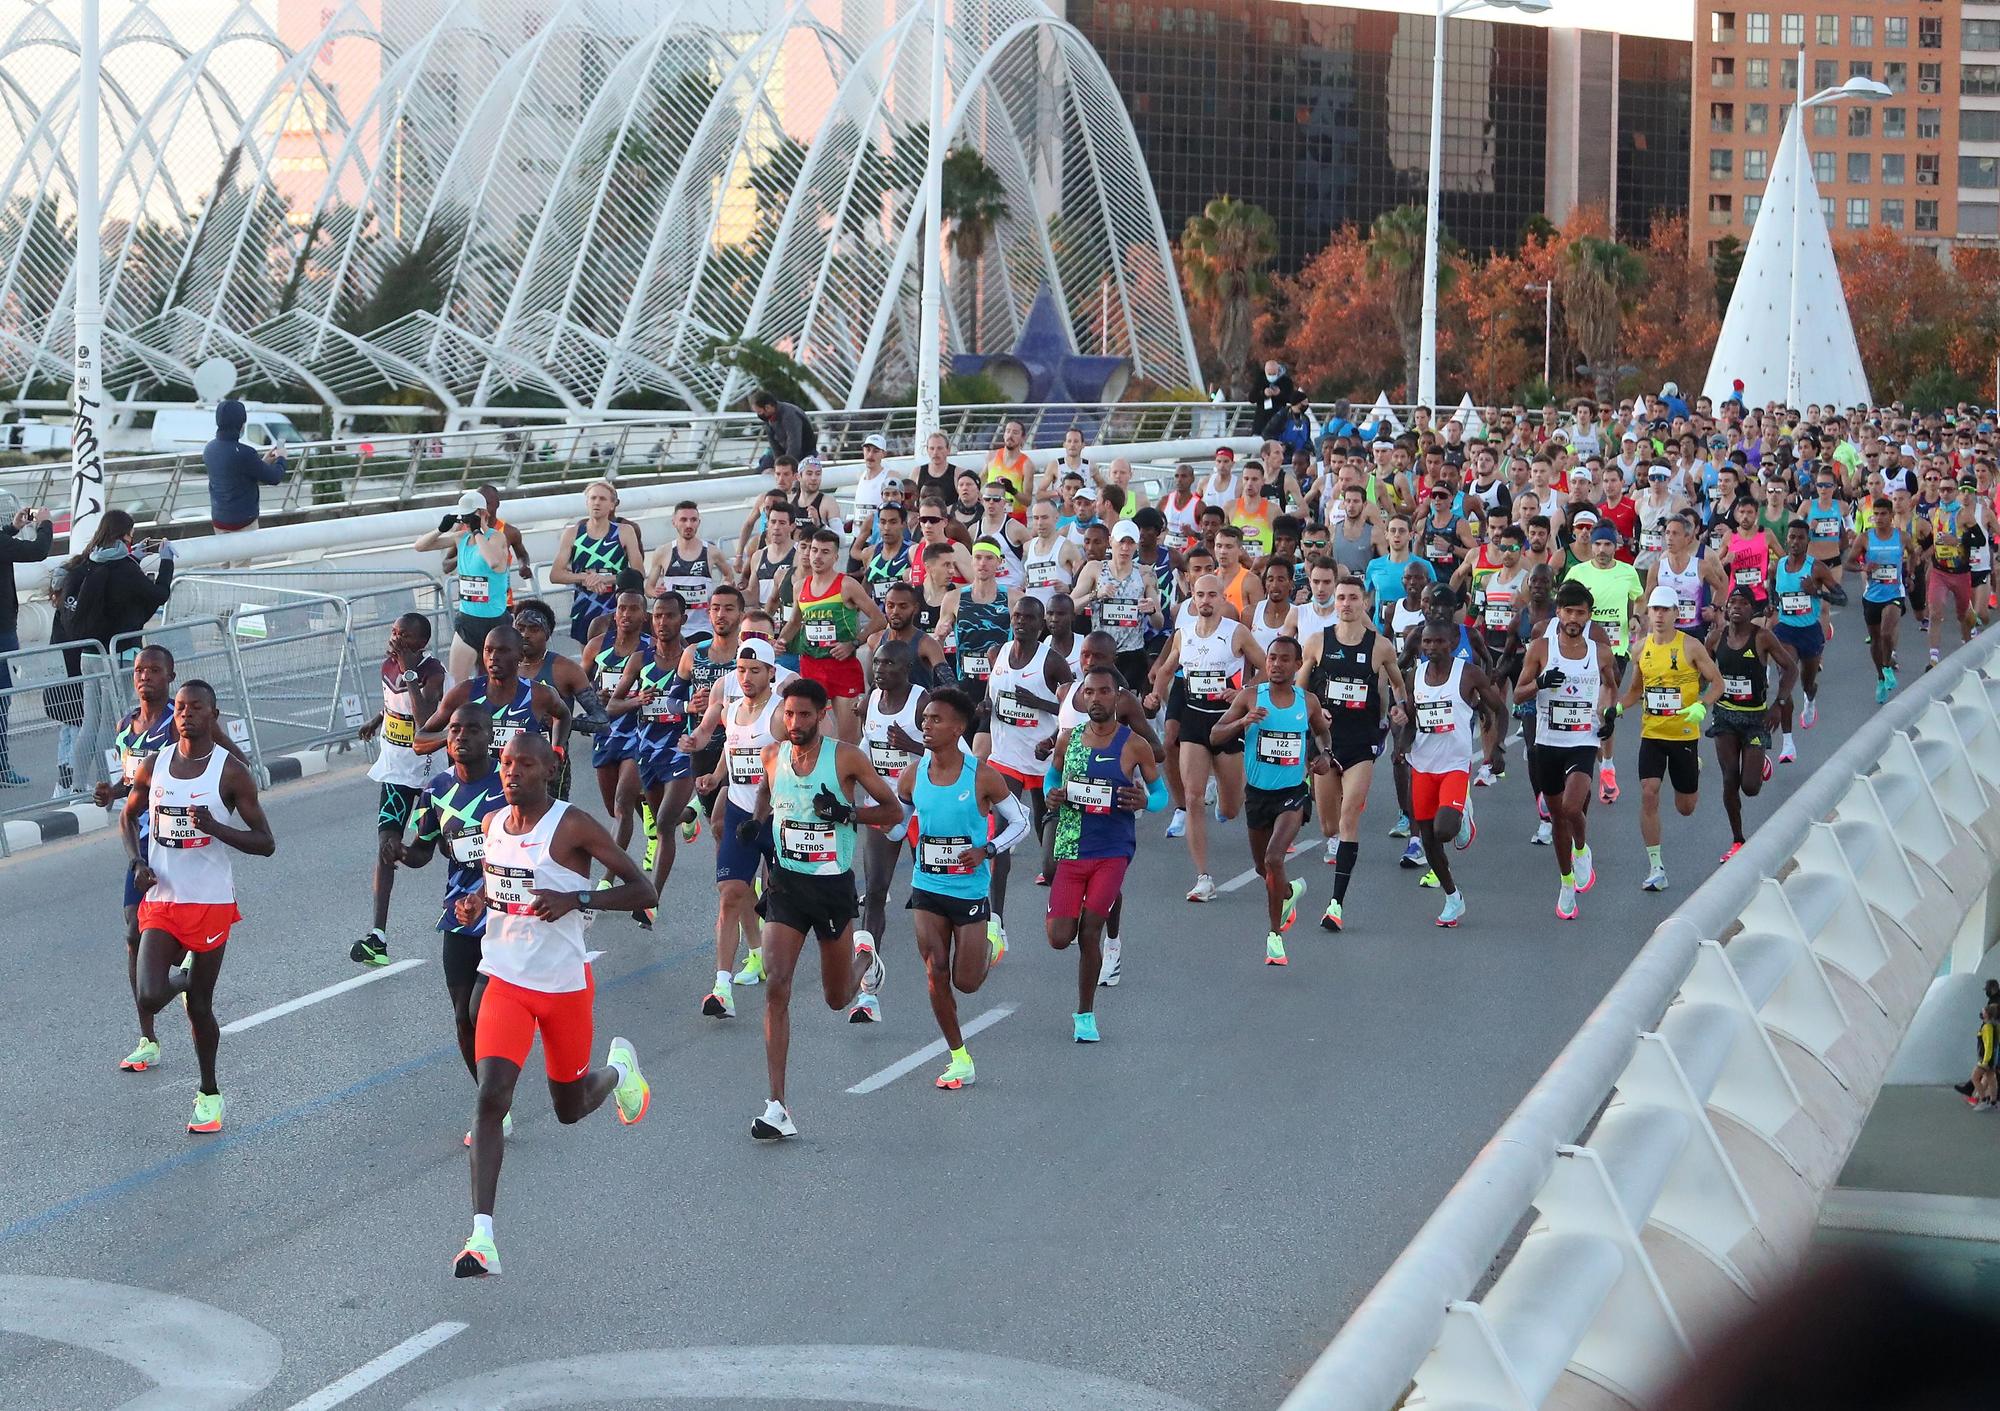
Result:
704,666
1697,579
614,753
1018,717
590,555
654,696
1615,590
535,620
888,558
1883,553
688,566
803,803
1274,720
1568,675
900,610
412,682
831,616
979,619
1674,682
1437,741
1741,724
767,573
537,899
1123,599
1804,624
892,736
1940,538
517,706
192,796
954,802
1095,788
1352,668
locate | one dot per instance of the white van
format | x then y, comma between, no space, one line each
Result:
191,428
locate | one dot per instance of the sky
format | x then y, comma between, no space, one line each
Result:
1667,21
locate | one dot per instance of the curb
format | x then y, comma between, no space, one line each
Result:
74,820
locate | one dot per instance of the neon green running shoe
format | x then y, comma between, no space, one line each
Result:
1291,911
207,1113
1274,949
958,1073
690,825
478,1259
634,1094
1429,879
752,972
142,1057
996,938
506,1128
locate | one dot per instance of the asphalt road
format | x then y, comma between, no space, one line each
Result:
1180,1216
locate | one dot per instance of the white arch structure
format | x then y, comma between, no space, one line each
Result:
557,204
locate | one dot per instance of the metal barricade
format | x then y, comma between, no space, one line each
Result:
300,669
58,713
202,651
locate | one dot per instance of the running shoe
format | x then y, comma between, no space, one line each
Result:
652,834
720,1002
752,972
633,1093
1401,828
207,1113
1734,848
1788,752
1656,880
142,1057
478,1259
1333,920
1767,769
1467,830
775,1123
1962,1089
1542,807
1545,834
1203,889
1454,910
506,1128
1208,794
867,1010
1109,968
1583,867
864,944
645,916
1934,656
1808,713
1607,782
1889,680
1566,901
1429,879
1274,949
958,1073
1413,855
1484,778
1291,911
1882,689
1332,858
1086,1028
1177,825
690,825
371,949
996,941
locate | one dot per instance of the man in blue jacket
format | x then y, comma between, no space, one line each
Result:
235,471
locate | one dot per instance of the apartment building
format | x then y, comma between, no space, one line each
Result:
1924,162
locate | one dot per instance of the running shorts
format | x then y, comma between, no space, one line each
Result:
1432,793
736,861
842,679
1089,884
461,960
1355,747
1871,611
196,925
1195,725
1806,642
811,904
1550,766
1746,725
1263,807
1031,781
133,894
607,749
392,813
959,911
1131,668
509,1015
1950,586
1677,761
472,630
662,768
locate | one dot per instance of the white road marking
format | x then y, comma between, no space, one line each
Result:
1238,882
279,1011
933,1049
915,1378
375,1369
198,1357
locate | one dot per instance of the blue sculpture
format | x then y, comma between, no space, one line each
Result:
1045,368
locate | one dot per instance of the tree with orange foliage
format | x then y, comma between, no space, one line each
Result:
1903,303
1331,323
1496,330
1670,332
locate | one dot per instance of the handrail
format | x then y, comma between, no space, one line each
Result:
1384,1346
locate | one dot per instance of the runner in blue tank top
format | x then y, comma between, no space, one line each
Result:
516,705
591,554
1886,559
144,733
654,698
614,753
1275,719
954,797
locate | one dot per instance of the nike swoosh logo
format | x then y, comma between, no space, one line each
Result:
215,940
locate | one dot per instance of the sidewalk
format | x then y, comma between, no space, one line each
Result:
1926,1164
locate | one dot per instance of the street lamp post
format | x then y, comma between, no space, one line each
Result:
1855,90
1547,289
1427,353
86,484
930,349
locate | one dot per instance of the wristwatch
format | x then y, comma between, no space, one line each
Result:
990,851
583,901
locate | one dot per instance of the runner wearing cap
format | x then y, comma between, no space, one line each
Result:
1615,590
872,490
979,619
482,560
831,616
1674,682
1122,597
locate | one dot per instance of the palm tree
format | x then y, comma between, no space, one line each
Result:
1599,277
1396,254
974,202
1226,252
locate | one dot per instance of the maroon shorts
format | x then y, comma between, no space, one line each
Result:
1087,884
842,679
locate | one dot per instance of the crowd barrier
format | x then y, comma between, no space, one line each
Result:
1669,1167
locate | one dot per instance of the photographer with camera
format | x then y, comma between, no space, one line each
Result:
483,560
236,471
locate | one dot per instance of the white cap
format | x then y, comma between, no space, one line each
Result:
1125,529
757,649
1672,389
1581,515
1664,596
877,440
1628,436
471,502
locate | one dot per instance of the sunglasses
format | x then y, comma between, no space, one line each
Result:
930,519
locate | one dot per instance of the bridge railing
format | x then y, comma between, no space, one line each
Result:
1669,1166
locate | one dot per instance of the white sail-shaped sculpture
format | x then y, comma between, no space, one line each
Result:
1753,344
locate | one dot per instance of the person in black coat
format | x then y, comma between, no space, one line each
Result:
16,549
101,594
1276,395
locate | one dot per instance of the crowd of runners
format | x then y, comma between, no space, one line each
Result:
978,670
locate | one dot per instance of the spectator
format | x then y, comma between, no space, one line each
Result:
1276,394
791,430
101,594
1982,1047
235,471
15,549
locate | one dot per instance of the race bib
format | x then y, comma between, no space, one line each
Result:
127,764
1653,540
1118,612
173,827
1885,573
1663,700
1280,747
509,889
1687,614
1571,714
465,848
941,855
1613,624
1499,614
1982,559
977,665
1434,717
398,729
502,735
695,591
811,842
1091,795
1749,577
473,588
1828,528
821,634
608,678
1795,604
662,708
1440,550
1045,575
887,759
746,764
1176,539
1209,685
1738,688
1010,710
1350,695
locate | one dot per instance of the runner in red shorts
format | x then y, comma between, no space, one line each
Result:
832,615
538,900
186,884
1439,742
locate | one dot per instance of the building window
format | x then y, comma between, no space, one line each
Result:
1978,218
1930,35
1860,121
1896,77
1929,78
1978,125
1826,210
1752,205
1788,75
1979,34
1892,169
1927,169
1823,168
1753,164
1721,118
1979,173
1930,124
1826,29
1825,120
1895,33
1757,118
1892,214
1927,216
1722,73
1719,207
1721,164
1861,31
1792,29
1895,123
1857,212
1979,80
1757,73
1858,164
1722,26
1860,68
1756,28
1826,73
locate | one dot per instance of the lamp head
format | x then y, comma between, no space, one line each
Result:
1865,89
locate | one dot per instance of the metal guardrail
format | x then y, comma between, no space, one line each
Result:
58,713
1670,1163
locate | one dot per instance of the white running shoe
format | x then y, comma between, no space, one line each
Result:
775,1123
1203,889
1566,902
1787,751
1208,794
867,1010
1808,713
1332,852
1656,880
1177,825
1545,835
864,944
1484,778
1107,970
1583,867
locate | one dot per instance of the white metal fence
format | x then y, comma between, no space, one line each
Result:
1670,1165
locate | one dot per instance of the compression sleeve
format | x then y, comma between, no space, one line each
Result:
588,716
1013,824
1156,794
